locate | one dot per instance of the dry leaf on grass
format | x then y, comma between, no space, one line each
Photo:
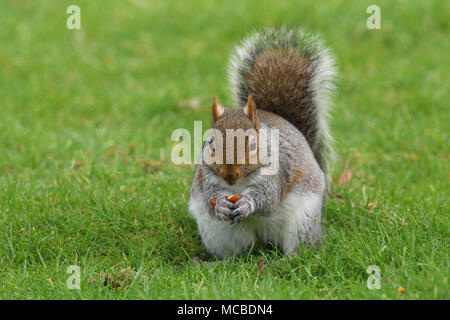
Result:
124,278
78,164
261,265
336,196
372,205
150,164
412,156
344,177
193,103
108,280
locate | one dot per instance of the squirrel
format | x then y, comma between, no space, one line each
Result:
281,79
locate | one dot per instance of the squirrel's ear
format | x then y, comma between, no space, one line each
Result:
250,110
217,110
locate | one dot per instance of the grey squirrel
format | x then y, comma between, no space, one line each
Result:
281,79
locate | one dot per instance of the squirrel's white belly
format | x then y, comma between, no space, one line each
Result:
297,217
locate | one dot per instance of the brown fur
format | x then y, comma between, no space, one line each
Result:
298,175
236,119
198,177
250,111
217,110
273,78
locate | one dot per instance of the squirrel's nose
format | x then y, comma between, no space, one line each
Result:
230,173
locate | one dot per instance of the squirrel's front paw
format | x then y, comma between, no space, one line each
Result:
242,208
223,209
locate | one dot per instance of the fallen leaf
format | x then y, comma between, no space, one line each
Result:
336,196
108,279
193,103
344,177
125,277
78,164
151,164
372,205
261,265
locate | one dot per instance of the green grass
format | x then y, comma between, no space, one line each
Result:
86,116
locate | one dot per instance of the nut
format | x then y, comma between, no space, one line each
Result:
234,198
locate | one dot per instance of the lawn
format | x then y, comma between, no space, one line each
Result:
86,179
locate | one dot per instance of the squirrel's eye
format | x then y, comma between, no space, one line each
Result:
252,146
211,145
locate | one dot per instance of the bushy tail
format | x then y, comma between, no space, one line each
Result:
290,73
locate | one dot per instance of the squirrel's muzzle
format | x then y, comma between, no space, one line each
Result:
230,173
